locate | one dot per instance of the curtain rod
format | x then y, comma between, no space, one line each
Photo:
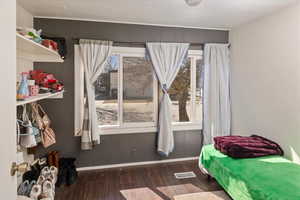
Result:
76,40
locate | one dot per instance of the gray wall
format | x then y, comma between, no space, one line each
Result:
114,148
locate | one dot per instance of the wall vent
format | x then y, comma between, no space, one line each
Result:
184,175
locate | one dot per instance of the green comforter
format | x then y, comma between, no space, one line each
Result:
264,178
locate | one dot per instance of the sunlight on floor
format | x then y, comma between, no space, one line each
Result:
169,191
162,192
215,195
140,194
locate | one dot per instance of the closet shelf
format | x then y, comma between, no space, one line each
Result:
57,95
30,50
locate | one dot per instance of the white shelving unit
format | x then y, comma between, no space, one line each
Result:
57,95
30,50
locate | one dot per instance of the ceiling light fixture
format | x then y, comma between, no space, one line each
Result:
193,2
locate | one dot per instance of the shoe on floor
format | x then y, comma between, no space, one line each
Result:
36,191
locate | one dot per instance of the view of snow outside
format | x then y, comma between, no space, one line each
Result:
138,103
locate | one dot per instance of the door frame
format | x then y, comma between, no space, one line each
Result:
8,147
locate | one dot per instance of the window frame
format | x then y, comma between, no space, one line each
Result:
140,127
131,52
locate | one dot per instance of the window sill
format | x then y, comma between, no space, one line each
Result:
150,129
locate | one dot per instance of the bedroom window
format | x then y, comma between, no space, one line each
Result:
126,98
106,93
198,91
180,94
186,92
127,93
138,102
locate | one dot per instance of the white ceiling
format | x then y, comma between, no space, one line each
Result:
222,14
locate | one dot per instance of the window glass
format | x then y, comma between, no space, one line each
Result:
137,90
199,90
180,94
132,102
106,93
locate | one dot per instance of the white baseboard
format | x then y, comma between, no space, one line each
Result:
135,164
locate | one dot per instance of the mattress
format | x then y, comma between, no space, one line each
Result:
264,178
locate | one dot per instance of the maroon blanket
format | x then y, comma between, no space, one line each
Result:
247,147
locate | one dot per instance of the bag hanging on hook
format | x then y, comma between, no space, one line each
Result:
43,122
26,132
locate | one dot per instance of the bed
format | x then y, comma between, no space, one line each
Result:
264,178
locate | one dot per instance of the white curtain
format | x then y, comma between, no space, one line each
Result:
94,55
79,92
216,92
167,59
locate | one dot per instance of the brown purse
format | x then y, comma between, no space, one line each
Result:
43,122
40,116
48,137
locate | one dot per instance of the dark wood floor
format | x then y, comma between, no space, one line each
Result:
155,182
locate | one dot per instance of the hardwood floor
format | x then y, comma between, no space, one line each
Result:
154,182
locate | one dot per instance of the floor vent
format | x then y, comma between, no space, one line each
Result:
184,175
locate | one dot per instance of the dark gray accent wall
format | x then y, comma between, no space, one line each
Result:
122,148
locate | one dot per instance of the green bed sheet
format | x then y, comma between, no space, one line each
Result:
264,178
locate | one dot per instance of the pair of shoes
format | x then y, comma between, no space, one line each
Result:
44,191
49,173
43,162
45,185
36,167
30,186
72,175
45,171
25,188
31,175
39,163
54,173
53,170
67,173
36,191
41,179
48,189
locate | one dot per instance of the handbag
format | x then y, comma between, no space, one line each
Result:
21,131
37,134
26,132
36,117
36,128
48,137
43,122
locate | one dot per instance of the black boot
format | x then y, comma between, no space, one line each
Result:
67,172
72,172
62,173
